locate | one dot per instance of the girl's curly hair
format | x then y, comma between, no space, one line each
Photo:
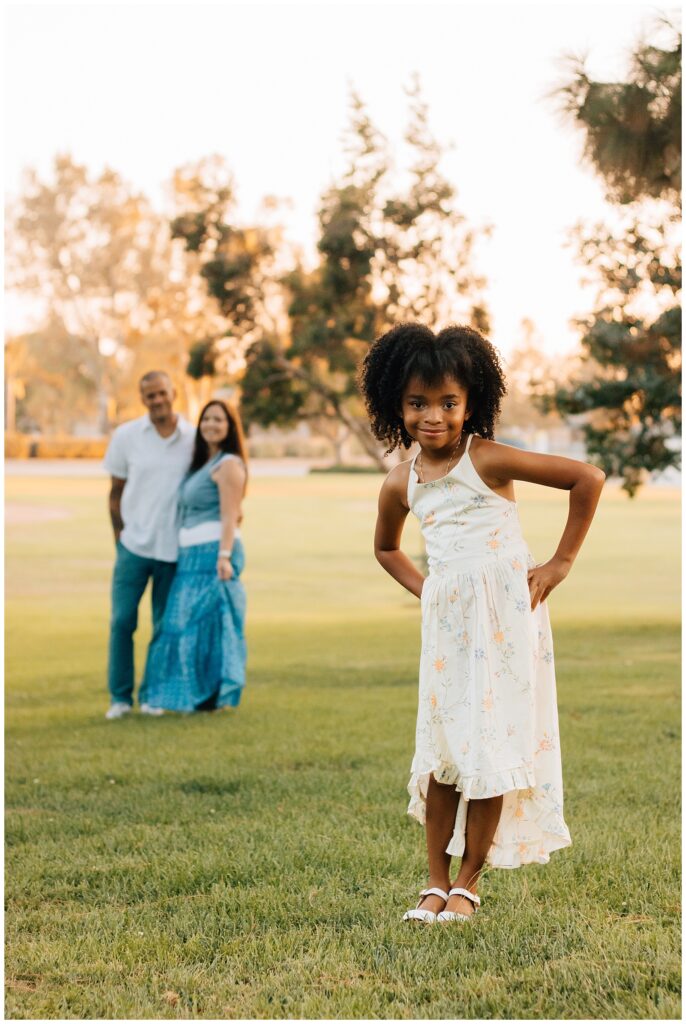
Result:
413,350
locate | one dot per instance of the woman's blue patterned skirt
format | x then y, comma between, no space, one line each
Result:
197,660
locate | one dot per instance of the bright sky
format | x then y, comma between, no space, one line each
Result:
145,88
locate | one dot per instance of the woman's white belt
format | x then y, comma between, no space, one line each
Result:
203,533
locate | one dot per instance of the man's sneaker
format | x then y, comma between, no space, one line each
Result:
148,709
117,710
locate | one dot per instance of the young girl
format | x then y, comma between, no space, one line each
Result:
486,776
197,662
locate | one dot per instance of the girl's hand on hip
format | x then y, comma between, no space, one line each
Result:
544,578
224,569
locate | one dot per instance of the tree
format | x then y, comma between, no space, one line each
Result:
116,292
426,260
632,340
382,257
233,261
84,248
50,381
632,129
332,317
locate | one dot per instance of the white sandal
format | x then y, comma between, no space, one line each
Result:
451,915
425,916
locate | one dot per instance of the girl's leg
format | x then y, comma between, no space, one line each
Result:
441,808
482,821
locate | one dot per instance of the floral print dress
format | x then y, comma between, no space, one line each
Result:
487,718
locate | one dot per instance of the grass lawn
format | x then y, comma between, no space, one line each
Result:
257,863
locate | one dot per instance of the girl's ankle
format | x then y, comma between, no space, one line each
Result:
470,886
441,884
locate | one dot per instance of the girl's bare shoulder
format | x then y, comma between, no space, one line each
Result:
492,461
483,446
396,483
482,451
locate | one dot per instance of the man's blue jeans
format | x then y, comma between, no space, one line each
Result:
130,578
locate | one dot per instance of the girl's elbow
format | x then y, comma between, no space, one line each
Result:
588,474
588,479
591,482
597,476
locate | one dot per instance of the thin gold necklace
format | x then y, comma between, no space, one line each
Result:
452,455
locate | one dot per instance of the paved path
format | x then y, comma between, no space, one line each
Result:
258,467
93,467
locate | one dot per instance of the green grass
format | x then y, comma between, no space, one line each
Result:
256,864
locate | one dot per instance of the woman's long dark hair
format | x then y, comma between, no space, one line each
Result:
233,443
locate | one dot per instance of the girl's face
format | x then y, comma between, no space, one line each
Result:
214,425
434,416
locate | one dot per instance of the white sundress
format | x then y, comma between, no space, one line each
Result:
487,717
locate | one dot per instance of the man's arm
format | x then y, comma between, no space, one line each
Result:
116,490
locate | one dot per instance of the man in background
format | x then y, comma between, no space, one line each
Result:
147,459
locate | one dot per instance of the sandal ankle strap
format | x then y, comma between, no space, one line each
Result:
434,892
467,894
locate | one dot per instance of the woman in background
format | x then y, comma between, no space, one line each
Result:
197,662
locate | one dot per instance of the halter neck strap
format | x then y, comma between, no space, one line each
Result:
469,441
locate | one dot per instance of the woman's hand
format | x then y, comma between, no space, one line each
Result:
224,569
544,578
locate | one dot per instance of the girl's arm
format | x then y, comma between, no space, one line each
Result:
499,464
230,479
393,511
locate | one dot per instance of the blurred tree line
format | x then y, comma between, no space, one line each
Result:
384,254
219,302
116,296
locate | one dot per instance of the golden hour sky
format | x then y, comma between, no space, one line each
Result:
145,88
